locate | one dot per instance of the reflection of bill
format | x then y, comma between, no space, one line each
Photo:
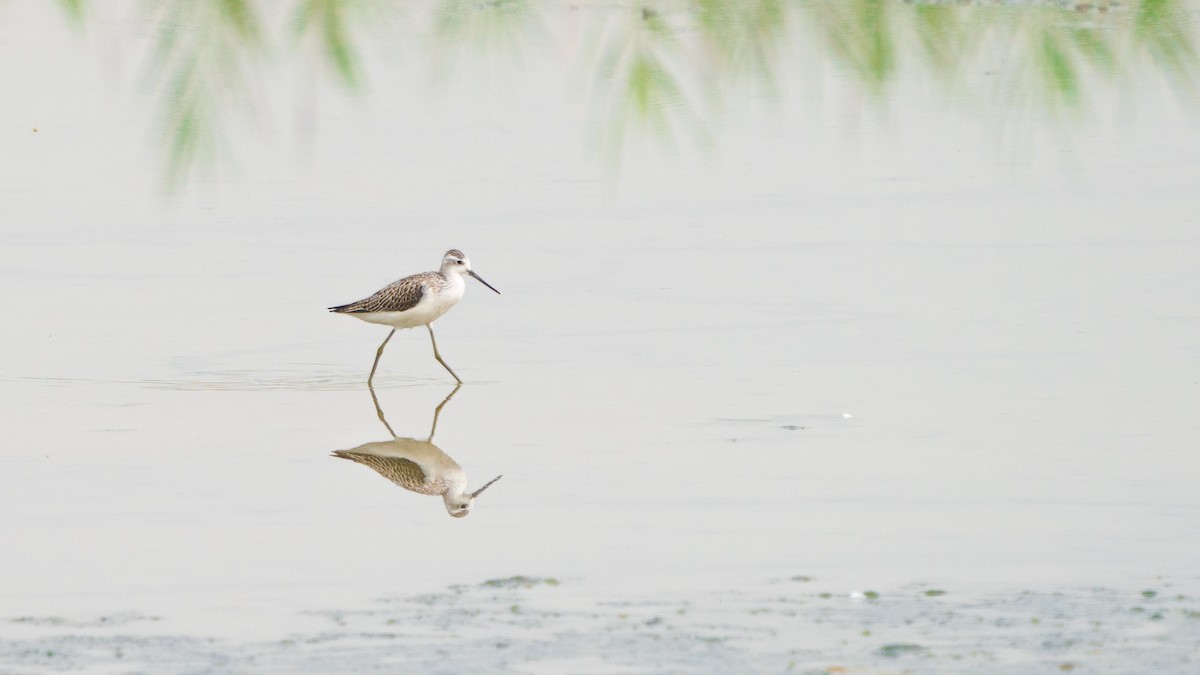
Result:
419,466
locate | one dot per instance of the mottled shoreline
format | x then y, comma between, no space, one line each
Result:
528,624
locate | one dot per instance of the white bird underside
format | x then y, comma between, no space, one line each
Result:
413,301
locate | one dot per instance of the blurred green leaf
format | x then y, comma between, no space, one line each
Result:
200,57
1058,68
860,35
1165,32
327,21
75,10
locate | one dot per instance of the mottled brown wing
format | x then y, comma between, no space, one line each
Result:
405,473
395,297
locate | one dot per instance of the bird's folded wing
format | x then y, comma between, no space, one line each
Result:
395,297
403,472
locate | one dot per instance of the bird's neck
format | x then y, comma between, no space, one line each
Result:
454,495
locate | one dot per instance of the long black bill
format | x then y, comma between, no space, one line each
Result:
489,483
480,280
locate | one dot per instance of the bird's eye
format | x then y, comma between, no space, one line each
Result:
459,262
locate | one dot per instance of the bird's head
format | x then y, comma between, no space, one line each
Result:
461,505
457,262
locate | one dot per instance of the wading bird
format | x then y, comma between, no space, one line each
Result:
416,300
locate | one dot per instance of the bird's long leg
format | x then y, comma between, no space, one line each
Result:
438,411
379,411
439,356
379,353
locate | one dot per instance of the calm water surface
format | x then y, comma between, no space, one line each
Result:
821,298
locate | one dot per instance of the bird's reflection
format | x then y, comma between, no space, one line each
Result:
418,465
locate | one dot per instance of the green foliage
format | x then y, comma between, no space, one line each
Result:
670,67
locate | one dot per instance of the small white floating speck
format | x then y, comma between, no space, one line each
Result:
846,416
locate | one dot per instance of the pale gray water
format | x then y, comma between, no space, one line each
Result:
887,343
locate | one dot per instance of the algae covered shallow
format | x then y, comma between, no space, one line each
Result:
533,625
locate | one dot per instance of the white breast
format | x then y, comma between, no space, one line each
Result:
436,302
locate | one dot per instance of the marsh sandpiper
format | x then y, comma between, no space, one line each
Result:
416,300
